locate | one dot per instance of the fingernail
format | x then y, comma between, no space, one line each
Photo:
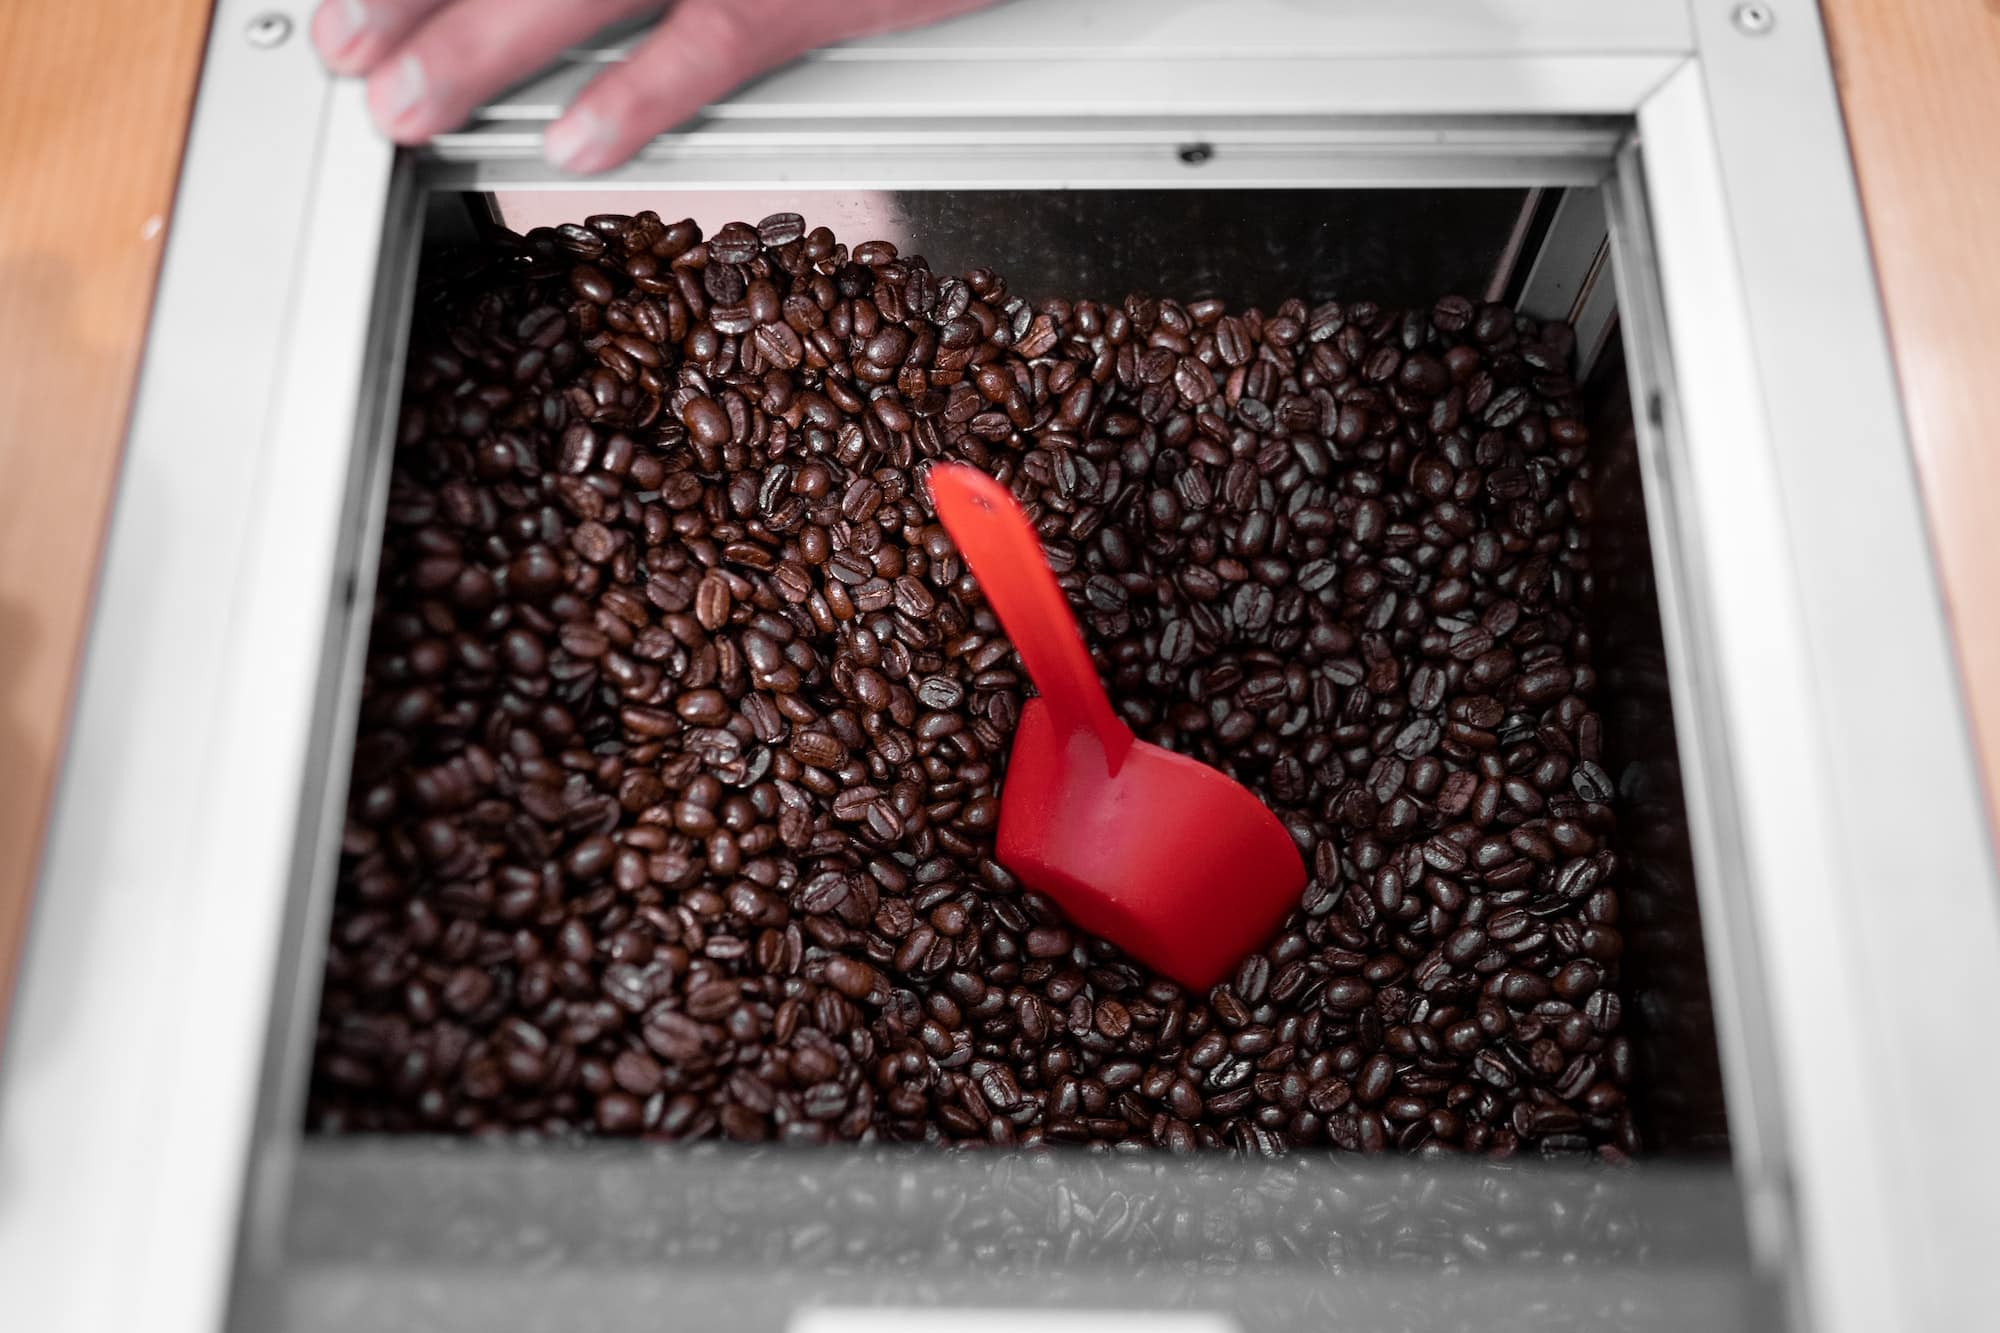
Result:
406,87
580,141
346,22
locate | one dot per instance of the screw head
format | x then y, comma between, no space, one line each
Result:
268,30
1754,19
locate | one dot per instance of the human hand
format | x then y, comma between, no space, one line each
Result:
430,63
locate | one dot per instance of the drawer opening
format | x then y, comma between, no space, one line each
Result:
606,1061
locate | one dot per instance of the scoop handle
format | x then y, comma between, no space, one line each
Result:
999,544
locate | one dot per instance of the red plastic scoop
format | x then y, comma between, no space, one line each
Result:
1160,854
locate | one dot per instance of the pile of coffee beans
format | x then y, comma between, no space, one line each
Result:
684,729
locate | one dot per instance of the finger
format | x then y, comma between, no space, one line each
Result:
354,35
471,49
700,51
704,50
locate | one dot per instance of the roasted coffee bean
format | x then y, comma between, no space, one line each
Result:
711,601
781,229
684,733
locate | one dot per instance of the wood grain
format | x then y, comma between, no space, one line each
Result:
94,101
1920,83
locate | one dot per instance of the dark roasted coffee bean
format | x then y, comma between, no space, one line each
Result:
781,229
711,601
851,978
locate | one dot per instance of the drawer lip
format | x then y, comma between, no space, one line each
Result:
395,1227
875,148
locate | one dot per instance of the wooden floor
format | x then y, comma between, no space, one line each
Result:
94,101
94,97
1920,80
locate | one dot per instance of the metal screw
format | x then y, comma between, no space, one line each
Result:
268,30
1754,19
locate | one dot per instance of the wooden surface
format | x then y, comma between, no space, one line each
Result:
94,99
1920,81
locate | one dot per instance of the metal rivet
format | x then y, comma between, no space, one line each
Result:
268,30
1195,154
1754,19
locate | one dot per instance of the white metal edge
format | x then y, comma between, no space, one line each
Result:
133,1059
850,169
290,574
1752,591
1251,29
1716,818
333,715
1525,82
1553,135
1916,892
1040,152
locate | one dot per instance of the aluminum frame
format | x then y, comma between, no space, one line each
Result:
1821,716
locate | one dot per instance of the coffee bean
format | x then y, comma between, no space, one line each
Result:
706,420
706,708
711,601
1376,1076
780,229
851,978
